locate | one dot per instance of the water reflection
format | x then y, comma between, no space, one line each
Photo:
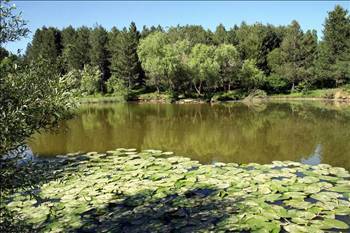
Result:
314,158
224,132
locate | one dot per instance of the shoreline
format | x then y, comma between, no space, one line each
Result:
107,99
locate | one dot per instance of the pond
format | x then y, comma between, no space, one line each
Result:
307,132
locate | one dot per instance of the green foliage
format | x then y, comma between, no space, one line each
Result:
229,95
154,58
334,51
73,79
189,60
31,98
227,57
337,32
90,80
125,62
276,84
277,197
12,26
251,77
203,66
116,87
156,97
46,44
99,54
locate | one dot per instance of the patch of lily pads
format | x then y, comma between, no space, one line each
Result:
154,191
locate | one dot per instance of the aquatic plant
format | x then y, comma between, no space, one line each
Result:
154,191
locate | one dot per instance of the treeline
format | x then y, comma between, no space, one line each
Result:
190,60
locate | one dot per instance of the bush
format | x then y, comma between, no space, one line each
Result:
276,84
303,87
90,78
156,97
117,88
229,95
346,88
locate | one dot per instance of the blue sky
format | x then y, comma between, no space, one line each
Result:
310,14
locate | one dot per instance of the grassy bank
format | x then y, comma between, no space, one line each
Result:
328,94
154,191
339,94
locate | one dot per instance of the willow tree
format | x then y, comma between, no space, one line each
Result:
204,68
151,54
227,57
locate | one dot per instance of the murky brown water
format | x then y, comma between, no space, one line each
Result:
310,132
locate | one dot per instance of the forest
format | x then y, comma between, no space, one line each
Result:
195,62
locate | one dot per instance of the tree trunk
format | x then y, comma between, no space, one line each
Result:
198,90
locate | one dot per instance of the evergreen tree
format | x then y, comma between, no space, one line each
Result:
220,36
82,48
337,32
270,38
99,55
125,62
46,44
69,51
292,54
333,55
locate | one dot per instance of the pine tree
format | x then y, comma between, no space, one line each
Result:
125,62
220,36
82,47
99,55
333,56
292,54
68,48
337,32
46,44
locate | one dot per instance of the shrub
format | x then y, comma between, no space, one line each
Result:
90,77
229,95
117,88
276,84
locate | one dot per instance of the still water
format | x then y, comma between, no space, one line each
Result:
310,132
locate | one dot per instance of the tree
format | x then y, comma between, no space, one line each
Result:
90,80
335,48
99,55
68,48
46,44
82,48
227,57
251,77
204,68
256,41
151,53
146,31
220,36
337,32
12,26
271,38
291,55
117,88
76,48
125,62
193,33
174,64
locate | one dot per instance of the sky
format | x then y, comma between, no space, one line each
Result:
310,14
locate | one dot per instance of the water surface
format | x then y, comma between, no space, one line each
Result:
310,132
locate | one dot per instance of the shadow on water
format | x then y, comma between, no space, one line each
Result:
140,198
139,214
195,210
